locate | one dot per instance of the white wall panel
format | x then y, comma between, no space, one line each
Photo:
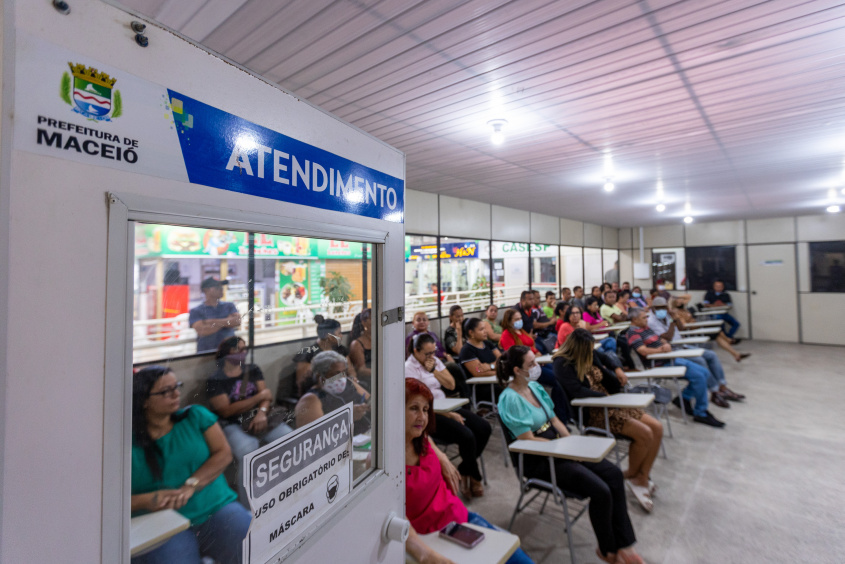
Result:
714,233
821,318
741,269
626,266
592,235
626,238
545,229
609,238
663,236
571,233
464,218
804,267
644,283
775,230
421,213
828,227
511,224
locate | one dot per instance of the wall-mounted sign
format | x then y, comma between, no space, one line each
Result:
292,482
77,108
464,249
774,262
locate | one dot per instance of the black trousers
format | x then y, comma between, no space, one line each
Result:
471,438
461,388
602,482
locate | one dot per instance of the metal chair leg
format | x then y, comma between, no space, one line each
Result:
568,524
504,445
483,469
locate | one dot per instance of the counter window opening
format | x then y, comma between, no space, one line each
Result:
238,339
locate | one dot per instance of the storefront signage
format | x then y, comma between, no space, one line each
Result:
294,481
464,249
76,108
503,249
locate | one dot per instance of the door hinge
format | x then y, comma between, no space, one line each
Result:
394,315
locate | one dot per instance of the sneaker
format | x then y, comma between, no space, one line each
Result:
718,399
708,420
687,406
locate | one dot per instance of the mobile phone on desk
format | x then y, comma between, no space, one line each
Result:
461,535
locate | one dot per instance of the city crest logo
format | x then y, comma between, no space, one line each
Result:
91,93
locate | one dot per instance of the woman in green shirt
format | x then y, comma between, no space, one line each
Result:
178,457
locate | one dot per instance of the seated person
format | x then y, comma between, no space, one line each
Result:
596,293
573,321
610,310
646,342
528,413
668,329
329,335
514,334
583,375
453,336
549,305
463,427
717,297
525,307
565,295
333,389
361,347
578,297
626,286
595,323
560,315
637,299
238,395
683,317
432,502
178,458
622,301
543,325
477,357
494,329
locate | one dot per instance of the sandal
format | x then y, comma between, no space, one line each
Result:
641,493
608,559
652,487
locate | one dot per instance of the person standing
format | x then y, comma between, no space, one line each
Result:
214,320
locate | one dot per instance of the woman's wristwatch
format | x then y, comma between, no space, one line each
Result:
192,482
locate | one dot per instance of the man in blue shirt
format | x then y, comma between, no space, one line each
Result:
717,297
213,320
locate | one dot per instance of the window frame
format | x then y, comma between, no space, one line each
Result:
125,209
812,284
729,287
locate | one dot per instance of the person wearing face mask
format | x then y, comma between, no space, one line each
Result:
238,395
637,299
527,412
329,336
462,427
582,374
333,388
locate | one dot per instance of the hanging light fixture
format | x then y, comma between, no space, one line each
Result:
661,207
688,219
608,185
498,125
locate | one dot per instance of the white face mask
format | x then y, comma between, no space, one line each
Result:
336,384
534,373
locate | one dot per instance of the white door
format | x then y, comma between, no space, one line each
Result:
774,297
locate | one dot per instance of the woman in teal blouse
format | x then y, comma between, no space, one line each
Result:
178,457
528,413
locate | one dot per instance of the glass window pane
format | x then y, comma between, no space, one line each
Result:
510,272
237,339
571,267
465,273
593,273
544,268
610,261
704,265
827,266
421,290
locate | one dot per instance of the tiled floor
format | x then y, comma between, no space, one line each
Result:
768,488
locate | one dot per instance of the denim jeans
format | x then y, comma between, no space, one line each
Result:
697,377
518,557
710,360
221,538
242,443
731,322
608,345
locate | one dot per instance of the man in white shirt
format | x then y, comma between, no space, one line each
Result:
660,321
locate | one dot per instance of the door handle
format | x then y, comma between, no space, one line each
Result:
753,293
395,528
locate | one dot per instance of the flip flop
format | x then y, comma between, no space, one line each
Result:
652,487
641,494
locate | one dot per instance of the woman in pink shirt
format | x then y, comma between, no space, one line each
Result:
595,323
431,481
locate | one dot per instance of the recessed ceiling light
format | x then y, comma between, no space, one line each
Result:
498,125
661,207
608,186
834,209
688,219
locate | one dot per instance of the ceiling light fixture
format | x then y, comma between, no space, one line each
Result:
498,126
688,219
608,185
834,209
661,207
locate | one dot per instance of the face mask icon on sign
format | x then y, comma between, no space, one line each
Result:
332,487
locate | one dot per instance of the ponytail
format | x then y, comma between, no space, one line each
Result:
511,359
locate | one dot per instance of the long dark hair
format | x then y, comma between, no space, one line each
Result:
417,341
512,358
508,321
414,387
225,347
569,312
470,323
560,310
358,325
142,383
325,326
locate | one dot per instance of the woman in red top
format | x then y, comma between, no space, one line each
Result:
431,503
572,322
512,334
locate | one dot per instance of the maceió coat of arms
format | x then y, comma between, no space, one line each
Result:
91,93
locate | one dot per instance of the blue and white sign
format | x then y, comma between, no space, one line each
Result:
75,108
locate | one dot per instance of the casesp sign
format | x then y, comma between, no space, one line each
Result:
76,108
294,481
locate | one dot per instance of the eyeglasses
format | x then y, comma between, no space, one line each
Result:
168,391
